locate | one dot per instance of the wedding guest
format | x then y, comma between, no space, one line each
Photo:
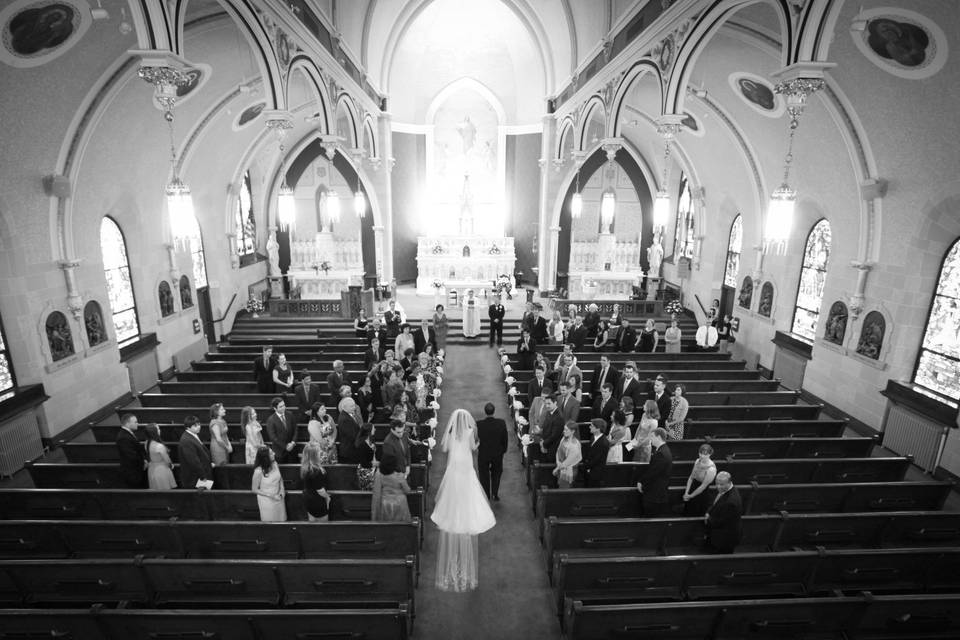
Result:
307,393
495,313
392,318
323,433
526,351
282,375
131,452
423,336
648,339
602,337
704,471
723,334
538,326
404,340
268,486
220,446
663,399
629,411
568,405
335,380
195,464
672,338
373,354
375,331
365,398
316,500
591,320
397,446
159,466
568,456
263,371
615,316
366,450
655,480
556,328
595,460
252,433
390,491
678,413
642,440
360,323
619,436
722,522
604,373
551,428
605,404
348,426
577,333
441,325
282,429
535,386
626,339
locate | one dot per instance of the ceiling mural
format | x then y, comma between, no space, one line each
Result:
903,43
35,32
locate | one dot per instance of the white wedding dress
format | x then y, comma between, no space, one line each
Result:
461,512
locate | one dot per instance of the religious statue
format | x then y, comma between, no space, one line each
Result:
871,336
59,337
766,300
186,297
654,258
746,293
273,253
166,299
836,323
93,320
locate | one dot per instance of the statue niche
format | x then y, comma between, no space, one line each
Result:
746,293
186,297
766,300
836,323
871,336
59,337
93,322
166,299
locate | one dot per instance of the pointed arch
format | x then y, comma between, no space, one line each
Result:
938,349
465,83
813,276
635,72
370,138
734,250
589,108
567,128
305,64
153,24
116,269
345,101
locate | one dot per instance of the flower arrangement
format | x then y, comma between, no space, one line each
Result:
674,308
432,423
435,405
517,405
254,305
504,359
503,285
507,368
439,370
522,421
510,380
325,266
436,393
439,381
512,392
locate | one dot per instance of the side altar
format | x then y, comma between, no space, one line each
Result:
605,268
463,262
325,266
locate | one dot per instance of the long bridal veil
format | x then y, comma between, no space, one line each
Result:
462,511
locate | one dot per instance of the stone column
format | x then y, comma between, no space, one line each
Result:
74,299
544,278
386,210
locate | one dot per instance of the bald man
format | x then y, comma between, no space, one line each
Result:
348,426
722,521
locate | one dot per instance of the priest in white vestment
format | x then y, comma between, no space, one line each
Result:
471,315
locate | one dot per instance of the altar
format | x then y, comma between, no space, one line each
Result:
463,262
605,268
320,285
324,266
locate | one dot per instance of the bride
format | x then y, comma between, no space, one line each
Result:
462,511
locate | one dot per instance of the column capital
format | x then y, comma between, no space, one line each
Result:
610,146
873,188
669,125
579,157
329,143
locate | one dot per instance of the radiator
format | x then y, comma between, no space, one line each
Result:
19,442
789,368
909,434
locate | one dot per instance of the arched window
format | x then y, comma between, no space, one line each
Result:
7,379
197,255
813,274
683,235
119,286
938,364
245,225
733,252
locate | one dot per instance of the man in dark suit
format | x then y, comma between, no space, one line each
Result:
335,380
629,387
655,480
603,373
605,404
282,429
535,386
348,426
538,326
568,404
722,522
393,319
195,463
568,369
133,456
263,371
496,312
307,393
492,433
373,354
591,320
595,457
375,331
423,336
578,333
626,338
551,430
397,444
526,351
662,398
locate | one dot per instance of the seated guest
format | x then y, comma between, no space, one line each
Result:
282,375
390,491
626,338
308,393
195,463
595,458
160,468
268,486
526,350
372,355
722,522
360,324
316,500
133,457
335,380
702,474
263,371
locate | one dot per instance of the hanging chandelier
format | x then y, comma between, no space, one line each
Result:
179,198
661,201
332,201
608,205
280,123
359,201
576,201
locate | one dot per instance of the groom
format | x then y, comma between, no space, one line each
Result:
492,433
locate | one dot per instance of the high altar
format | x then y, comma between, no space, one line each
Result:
343,256
604,268
463,262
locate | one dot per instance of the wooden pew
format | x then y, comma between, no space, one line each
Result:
171,432
690,386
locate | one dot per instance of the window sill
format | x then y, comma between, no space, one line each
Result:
146,342
19,399
924,402
794,344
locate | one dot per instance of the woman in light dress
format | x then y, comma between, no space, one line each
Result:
555,328
441,325
220,447
159,466
672,338
404,341
615,316
641,440
251,433
323,433
471,315
462,511
268,485
619,435
569,455
678,414
703,473
390,491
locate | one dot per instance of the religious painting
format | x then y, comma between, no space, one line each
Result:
765,308
871,335
249,114
93,323
746,293
166,299
757,93
37,31
901,42
186,296
59,337
836,323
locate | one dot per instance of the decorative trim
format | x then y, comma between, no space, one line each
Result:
20,399
923,403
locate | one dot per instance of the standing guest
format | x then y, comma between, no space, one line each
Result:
365,448
577,334
615,318
626,339
628,386
348,426
678,413
335,380
407,361
569,406
576,387
568,456
390,491
471,315
365,398
663,399
595,460
535,386
695,501
404,340
268,486
527,319
655,480
526,350
323,433
723,334
591,320
535,416
307,393
567,368
628,409
538,326
643,439
282,375
604,373
556,327
562,357
605,404
263,371
252,433
713,314
618,437
397,446
375,331
492,433
539,360
282,430
423,336
722,522
373,354
159,467
672,338
551,429
316,500
602,337
220,446
392,318
360,323
496,312
441,324
133,457
393,389
648,339
195,464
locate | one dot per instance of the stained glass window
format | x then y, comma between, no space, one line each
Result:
7,379
938,365
196,253
683,235
813,274
245,223
733,252
119,286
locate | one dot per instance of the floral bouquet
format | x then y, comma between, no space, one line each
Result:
526,440
522,421
517,405
510,380
254,305
325,266
504,359
439,381
674,307
512,392
436,393
431,442
507,368
432,423
435,405
503,285
439,370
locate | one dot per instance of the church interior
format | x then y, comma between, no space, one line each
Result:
185,181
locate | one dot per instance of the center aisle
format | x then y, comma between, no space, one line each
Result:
514,599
